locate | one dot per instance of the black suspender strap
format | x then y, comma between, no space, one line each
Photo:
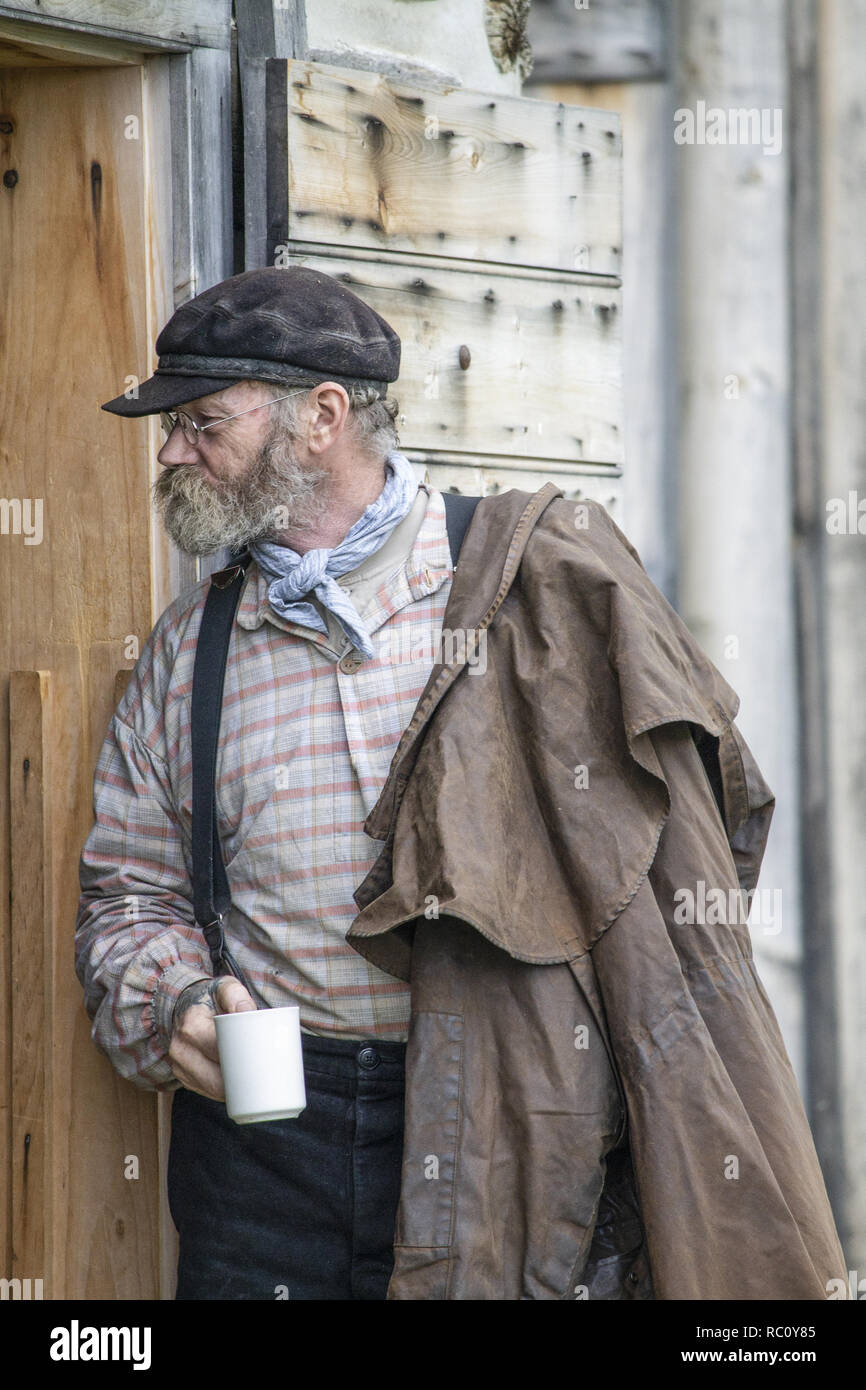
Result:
211,895
458,514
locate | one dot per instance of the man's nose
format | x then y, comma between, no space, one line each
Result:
177,450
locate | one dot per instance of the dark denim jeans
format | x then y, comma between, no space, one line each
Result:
298,1209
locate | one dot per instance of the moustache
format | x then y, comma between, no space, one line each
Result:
202,513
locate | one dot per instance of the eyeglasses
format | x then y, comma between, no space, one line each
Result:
191,431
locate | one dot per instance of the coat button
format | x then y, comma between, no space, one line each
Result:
368,1057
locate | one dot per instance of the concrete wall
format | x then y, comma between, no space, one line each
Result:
444,39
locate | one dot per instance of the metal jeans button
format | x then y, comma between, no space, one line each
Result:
368,1057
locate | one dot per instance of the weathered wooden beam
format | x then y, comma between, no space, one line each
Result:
649,366
841,164
823,1079
264,30
361,161
542,378
485,477
201,154
202,232
179,23
23,44
733,480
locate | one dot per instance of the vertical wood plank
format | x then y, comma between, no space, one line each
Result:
5,977
265,30
734,451
648,345
32,957
168,1241
199,147
809,561
842,160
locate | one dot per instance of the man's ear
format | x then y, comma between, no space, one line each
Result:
328,407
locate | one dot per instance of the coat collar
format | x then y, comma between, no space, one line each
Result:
489,560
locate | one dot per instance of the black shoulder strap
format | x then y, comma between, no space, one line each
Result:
211,895
458,514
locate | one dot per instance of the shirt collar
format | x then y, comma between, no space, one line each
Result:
424,570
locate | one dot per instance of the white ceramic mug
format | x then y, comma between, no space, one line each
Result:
262,1064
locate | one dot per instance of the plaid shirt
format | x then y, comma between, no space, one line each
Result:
306,740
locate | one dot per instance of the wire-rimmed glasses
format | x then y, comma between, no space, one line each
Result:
191,430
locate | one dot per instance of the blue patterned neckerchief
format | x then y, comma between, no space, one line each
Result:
292,576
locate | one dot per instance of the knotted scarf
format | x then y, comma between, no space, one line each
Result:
292,576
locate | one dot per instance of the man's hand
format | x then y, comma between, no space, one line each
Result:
193,1051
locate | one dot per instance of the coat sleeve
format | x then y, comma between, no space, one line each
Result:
732,1196
733,1201
663,673
136,943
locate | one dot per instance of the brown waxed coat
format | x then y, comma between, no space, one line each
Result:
599,1102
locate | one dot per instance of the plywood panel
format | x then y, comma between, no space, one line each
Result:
74,285
358,160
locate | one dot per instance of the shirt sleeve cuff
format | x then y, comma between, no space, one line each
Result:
171,985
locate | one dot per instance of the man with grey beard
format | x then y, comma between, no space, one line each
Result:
204,511
279,441
576,1059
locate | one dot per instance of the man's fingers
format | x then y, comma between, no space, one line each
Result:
231,997
207,1042
194,1054
196,1072
198,1030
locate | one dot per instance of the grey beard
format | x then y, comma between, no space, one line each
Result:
276,494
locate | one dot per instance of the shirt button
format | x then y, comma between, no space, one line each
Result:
350,663
368,1057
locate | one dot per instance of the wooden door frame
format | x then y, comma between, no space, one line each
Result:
187,59
187,152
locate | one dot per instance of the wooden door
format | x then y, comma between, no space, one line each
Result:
82,576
